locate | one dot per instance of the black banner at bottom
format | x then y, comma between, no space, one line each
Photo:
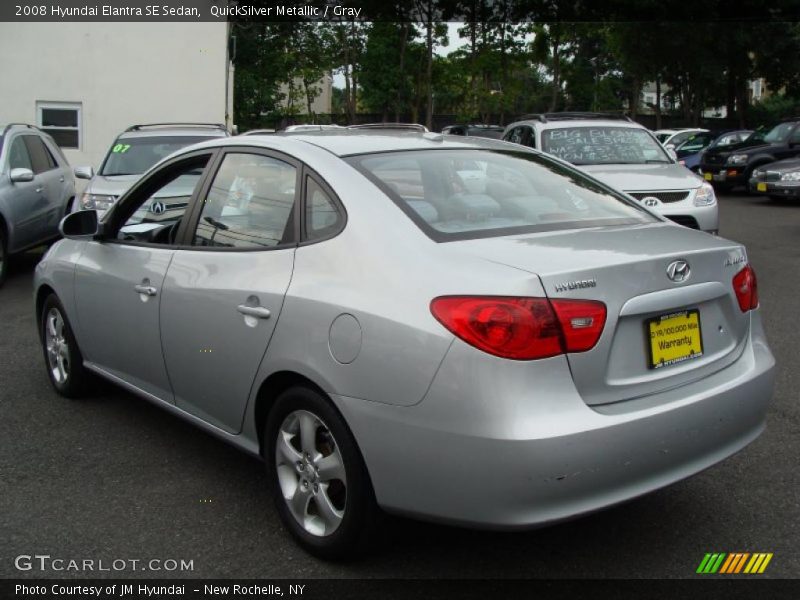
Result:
334,589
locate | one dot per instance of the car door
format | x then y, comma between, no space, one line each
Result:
50,208
25,200
119,278
223,295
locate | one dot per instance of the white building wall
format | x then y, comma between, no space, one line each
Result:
322,102
121,73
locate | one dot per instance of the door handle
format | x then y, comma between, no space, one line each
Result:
39,189
147,290
254,311
61,179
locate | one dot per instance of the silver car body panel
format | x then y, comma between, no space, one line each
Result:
447,432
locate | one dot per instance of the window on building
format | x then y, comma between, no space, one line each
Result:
62,120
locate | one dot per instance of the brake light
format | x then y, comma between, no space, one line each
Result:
745,286
582,322
522,328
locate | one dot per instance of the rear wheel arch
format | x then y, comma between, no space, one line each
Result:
269,391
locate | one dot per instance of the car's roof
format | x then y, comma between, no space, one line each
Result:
347,142
572,123
10,126
175,131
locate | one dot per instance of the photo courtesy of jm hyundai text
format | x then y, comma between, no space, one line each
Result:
450,328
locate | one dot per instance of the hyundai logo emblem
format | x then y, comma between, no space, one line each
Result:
650,201
678,270
158,208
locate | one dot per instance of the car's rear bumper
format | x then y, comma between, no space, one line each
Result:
516,453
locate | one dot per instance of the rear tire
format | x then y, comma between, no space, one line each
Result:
321,487
62,357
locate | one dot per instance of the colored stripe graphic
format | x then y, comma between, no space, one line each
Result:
711,563
734,563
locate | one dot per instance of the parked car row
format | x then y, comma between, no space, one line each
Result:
757,163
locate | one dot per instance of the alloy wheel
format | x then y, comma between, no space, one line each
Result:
311,473
57,346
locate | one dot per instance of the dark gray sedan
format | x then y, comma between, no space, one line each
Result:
777,180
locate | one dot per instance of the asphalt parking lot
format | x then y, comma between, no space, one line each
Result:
113,477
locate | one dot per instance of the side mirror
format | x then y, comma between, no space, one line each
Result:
21,175
672,154
84,172
80,225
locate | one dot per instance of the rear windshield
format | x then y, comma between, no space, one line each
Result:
463,194
603,145
134,155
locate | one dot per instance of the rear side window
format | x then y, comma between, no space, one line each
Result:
322,216
41,159
462,194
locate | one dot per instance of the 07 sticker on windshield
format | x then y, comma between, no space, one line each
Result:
674,338
120,148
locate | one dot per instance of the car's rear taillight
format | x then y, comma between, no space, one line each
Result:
582,322
746,288
522,328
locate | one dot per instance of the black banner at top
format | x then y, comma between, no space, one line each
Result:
398,10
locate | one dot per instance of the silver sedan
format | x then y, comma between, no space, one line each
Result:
457,329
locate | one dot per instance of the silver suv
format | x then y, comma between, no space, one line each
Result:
36,190
625,156
134,151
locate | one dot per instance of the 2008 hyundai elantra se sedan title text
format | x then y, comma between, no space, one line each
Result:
456,329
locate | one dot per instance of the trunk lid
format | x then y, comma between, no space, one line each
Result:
626,268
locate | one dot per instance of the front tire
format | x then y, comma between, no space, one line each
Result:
321,487
62,356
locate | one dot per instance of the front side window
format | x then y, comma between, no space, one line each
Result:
134,155
18,157
776,135
249,204
41,159
600,145
461,194
156,213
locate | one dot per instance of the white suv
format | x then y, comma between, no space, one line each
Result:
625,156
133,152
